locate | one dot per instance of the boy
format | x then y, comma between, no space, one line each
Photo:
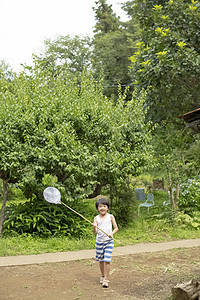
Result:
104,243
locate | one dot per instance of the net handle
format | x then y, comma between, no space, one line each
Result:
84,218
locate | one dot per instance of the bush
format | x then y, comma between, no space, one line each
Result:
189,199
44,219
124,205
187,221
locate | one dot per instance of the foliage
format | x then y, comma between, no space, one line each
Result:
111,50
175,161
13,153
43,219
161,214
15,194
143,180
111,54
13,157
73,132
169,145
188,221
55,127
140,230
189,200
167,56
107,21
124,203
192,158
65,52
6,72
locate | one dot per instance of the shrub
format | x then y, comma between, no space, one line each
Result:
124,205
186,220
189,200
44,219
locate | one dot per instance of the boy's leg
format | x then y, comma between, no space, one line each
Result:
106,269
102,269
106,272
108,256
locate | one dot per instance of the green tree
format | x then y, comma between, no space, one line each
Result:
166,59
6,71
106,19
65,52
71,131
110,55
111,50
176,157
165,64
13,152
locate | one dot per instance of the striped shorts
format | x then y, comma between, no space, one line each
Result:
104,251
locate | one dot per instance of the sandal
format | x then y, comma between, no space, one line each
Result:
101,279
105,283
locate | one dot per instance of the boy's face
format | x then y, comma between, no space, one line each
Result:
102,209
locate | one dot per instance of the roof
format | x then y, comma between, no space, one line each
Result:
193,119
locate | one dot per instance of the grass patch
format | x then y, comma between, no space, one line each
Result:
157,226
139,231
27,245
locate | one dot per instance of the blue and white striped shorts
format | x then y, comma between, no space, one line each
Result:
104,251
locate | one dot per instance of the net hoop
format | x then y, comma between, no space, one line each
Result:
52,195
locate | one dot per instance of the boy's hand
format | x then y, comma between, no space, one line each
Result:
110,236
94,225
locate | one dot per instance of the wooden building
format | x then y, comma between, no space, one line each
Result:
192,119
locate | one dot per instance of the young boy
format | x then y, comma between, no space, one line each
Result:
104,243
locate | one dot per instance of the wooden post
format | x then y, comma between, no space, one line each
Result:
187,291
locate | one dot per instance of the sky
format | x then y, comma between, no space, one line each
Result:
25,24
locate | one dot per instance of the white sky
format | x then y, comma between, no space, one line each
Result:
25,24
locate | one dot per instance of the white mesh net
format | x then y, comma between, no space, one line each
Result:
52,195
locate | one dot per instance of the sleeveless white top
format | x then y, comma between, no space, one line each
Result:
106,226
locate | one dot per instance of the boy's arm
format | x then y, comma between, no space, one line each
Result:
94,225
114,225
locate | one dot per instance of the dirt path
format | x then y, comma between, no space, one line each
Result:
89,254
138,276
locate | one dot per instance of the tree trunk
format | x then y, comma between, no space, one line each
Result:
173,202
172,198
197,172
111,198
5,193
177,192
97,190
187,291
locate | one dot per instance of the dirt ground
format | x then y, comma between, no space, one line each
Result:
138,277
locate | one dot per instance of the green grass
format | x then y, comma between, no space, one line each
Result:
143,231
26,245
146,228
139,231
